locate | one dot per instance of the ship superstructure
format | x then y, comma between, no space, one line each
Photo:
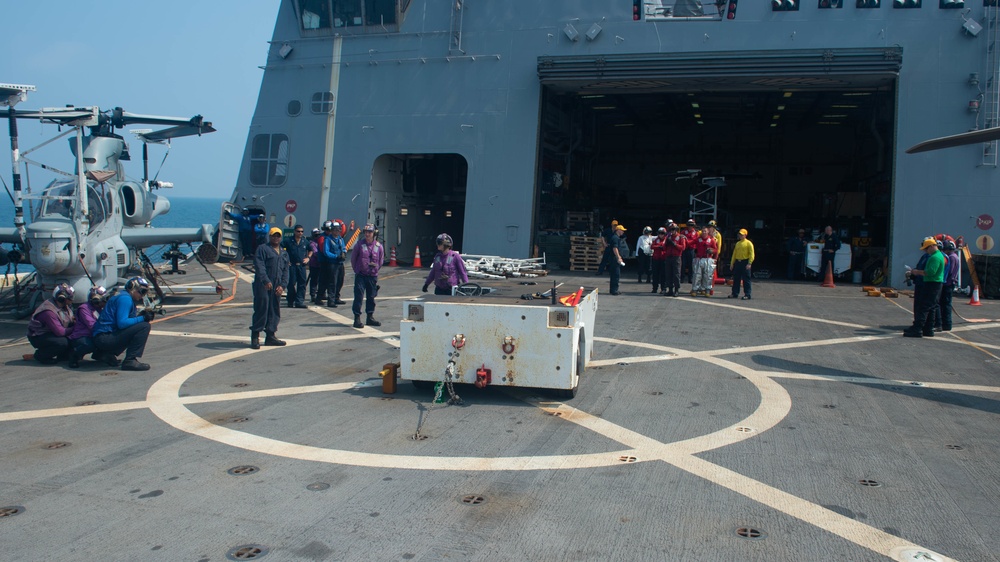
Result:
493,120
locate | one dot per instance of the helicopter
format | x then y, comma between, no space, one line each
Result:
87,225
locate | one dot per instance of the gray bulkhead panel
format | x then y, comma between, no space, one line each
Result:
399,93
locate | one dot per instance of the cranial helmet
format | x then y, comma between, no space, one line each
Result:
328,225
137,283
369,228
949,246
445,240
661,230
63,290
647,229
97,294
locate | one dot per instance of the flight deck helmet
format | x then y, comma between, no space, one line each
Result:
445,240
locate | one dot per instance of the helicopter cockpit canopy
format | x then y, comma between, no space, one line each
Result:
58,200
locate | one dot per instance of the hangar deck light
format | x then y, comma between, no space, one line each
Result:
695,105
604,107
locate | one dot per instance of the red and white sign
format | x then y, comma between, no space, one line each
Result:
984,243
984,222
290,221
290,206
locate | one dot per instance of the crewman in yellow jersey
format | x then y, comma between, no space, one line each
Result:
740,264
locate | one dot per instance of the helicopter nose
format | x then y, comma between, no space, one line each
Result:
51,246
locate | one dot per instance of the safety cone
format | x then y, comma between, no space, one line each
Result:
392,258
828,281
416,259
974,301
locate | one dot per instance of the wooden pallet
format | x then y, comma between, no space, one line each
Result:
587,241
583,268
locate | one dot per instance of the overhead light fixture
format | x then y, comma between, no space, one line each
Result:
974,106
787,95
427,212
624,124
604,107
404,211
592,96
974,79
781,108
842,106
695,105
571,32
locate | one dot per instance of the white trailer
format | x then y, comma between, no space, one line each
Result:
498,339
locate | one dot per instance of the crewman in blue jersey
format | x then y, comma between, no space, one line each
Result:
121,327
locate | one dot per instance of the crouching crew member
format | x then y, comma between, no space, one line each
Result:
270,265
86,317
448,269
366,261
51,324
121,327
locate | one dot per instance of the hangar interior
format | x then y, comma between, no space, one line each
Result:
794,151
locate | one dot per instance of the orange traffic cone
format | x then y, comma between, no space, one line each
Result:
416,259
392,258
828,281
974,301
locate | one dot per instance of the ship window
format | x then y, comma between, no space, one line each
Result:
315,14
906,4
294,107
350,13
269,160
865,4
322,102
831,4
683,10
784,5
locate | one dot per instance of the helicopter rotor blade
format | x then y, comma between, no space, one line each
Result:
177,132
961,139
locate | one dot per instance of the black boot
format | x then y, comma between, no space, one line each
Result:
371,321
271,340
357,321
254,340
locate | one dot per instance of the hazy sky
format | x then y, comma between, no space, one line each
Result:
178,58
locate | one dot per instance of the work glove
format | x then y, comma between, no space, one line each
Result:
148,314
425,288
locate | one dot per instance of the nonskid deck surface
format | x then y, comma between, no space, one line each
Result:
798,425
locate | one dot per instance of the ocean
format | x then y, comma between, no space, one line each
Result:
184,212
